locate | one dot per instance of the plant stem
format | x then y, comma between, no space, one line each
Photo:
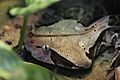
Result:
22,32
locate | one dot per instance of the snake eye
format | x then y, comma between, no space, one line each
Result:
46,47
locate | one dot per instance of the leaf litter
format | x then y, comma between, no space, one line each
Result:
69,39
72,41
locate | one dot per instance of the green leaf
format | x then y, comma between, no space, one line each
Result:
8,58
32,6
9,62
29,1
36,72
13,68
